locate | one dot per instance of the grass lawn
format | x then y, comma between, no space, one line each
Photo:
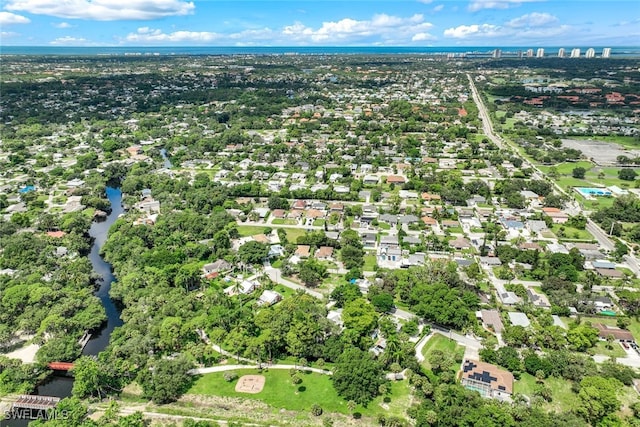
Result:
284,291
563,399
294,233
318,222
616,349
564,231
446,345
250,230
384,226
370,263
315,388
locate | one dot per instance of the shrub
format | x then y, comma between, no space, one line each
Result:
316,410
230,376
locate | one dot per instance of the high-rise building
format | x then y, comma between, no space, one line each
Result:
590,53
497,53
575,52
606,52
529,53
540,53
561,52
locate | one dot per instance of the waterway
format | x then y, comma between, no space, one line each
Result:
167,162
58,385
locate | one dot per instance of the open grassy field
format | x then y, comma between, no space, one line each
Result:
250,230
294,233
444,344
369,263
566,232
615,351
563,399
279,392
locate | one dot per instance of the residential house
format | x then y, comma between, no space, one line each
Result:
370,180
507,297
536,226
491,320
411,240
369,240
324,253
556,215
519,319
303,251
408,219
396,179
538,299
460,243
276,251
268,298
490,261
621,335
603,264
448,223
279,213
390,241
388,218
487,379
244,288
218,266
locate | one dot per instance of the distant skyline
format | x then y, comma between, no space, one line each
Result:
319,23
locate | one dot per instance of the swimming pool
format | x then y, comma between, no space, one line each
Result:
593,192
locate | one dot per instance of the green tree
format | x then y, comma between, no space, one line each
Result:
627,174
253,252
582,337
598,397
165,380
360,316
312,272
578,172
357,376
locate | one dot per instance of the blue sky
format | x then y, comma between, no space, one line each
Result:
320,23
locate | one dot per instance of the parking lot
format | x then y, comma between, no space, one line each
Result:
602,153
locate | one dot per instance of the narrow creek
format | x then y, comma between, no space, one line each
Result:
61,385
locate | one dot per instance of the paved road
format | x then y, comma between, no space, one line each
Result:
276,276
593,228
223,368
420,345
601,236
487,126
632,362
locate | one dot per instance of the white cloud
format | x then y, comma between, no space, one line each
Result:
524,28
438,8
103,10
382,26
475,30
422,37
534,19
381,29
68,41
8,18
476,5
63,25
149,35
8,34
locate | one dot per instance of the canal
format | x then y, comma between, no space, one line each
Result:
59,385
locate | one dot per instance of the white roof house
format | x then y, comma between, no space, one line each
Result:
269,297
519,319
